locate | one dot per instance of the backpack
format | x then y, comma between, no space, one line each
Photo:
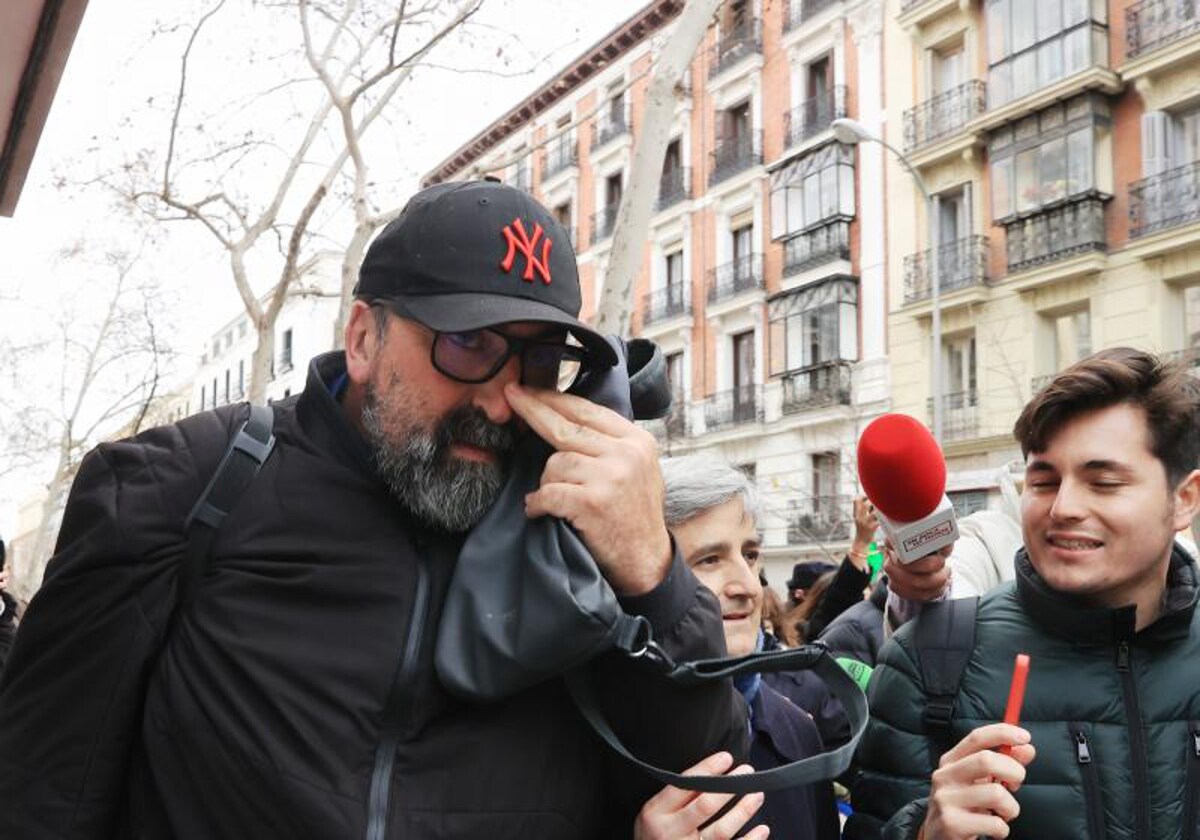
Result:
943,638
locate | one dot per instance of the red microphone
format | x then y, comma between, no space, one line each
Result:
903,473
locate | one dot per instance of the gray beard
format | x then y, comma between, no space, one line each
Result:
442,491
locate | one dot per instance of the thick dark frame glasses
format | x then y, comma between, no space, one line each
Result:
475,356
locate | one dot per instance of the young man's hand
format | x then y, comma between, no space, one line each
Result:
604,479
675,814
972,789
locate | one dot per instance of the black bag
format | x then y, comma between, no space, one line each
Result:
528,603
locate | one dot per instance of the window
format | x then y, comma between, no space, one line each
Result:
1191,316
948,67
966,502
1033,43
226,384
241,389
675,373
1047,157
674,269
958,378
819,78
285,355
814,325
203,396
824,478
735,125
742,242
616,104
736,17
241,329
673,158
216,347
743,360
612,191
813,190
228,339
1072,338
214,391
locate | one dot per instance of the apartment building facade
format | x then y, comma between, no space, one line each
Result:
1060,144
763,274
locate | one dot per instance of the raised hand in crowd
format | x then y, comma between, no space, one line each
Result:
676,814
972,789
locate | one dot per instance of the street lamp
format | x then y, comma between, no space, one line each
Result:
850,133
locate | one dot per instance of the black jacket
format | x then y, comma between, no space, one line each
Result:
858,632
783,734
297,698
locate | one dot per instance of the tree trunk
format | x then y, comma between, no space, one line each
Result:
633,215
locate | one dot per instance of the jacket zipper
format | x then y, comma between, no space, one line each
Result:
1091,782
385,752
1137,743
1191,793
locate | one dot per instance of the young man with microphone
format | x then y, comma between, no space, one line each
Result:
1104,603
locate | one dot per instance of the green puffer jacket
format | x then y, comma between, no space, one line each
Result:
1114,715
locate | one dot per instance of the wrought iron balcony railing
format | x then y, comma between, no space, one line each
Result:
561,155
733,278
733,408
735,45
815,115
674,186
1066,229
818,518
610,125
960,414
734,155
818,245
603,222
1151,24
961,263
817,386
667,302
1166,200
944,115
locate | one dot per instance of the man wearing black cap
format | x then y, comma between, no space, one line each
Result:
296,695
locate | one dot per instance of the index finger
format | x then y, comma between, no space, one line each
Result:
576,409
986,737
552,426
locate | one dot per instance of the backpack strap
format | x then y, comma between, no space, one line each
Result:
248,450
943,638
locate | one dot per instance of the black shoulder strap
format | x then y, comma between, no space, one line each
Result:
943,636
247,452
820,767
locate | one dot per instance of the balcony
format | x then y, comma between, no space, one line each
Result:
1065,229
944,115
817,386
674,186
666,303
561,155
733,408
731,279
797,12
820,518
814,116
961,264
734,155
610,125
1152,24
733,46
828,241
603,222
960,415
1167,200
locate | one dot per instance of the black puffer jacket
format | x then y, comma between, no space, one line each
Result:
858,632
298,699
1114,715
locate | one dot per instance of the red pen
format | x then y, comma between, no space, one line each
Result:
1016,695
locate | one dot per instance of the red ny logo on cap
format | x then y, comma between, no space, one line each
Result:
520,241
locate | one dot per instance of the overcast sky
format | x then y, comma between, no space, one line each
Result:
116,65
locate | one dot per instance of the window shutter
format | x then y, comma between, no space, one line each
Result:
778,212
1156,128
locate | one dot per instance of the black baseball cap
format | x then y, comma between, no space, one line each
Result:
472,254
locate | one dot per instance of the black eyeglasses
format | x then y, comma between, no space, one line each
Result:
477,355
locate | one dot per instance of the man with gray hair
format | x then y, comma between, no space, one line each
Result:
712,510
